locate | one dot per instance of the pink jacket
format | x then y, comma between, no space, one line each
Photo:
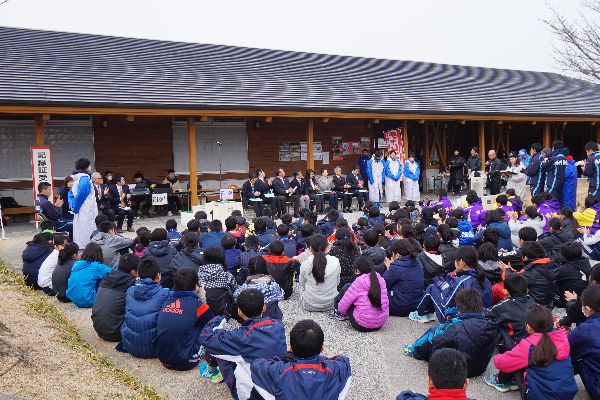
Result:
358,295
518,358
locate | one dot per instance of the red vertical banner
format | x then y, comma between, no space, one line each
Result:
400,146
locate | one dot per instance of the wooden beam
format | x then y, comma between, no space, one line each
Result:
39,130
310,159
546,138
405,138
192,160
481,133
171,112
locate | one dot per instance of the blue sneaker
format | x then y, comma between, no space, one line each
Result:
492,381
407,350
214,376
414,316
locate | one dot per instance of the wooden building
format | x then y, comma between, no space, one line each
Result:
135,105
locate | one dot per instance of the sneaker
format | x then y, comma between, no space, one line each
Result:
414,316
196,357
407,350
335,314
492,381
213,376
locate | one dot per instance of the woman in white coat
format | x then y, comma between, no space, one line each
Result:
411,179
516,177
375,170
319,277
393,177
83,203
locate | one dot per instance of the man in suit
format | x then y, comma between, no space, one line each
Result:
101,193
342,188
120,200
325,185
493,168
252,194
356,182
300,189
283,191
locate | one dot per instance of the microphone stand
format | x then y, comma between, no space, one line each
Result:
220,169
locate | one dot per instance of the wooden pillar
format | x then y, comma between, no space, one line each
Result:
546,138
192,160
597,132
482,152
427,154
405,138
493,136
310,159
39,130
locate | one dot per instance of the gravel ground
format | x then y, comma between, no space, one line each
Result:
380,371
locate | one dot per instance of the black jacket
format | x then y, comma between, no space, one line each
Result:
60,280
448,252
572,277
108,311
299,185
552,241
346,263
474,163
431,268
164,254
247,190
183,259
494,167
338,183
353,181
540,276
510,315
262,186
280,187
377,254
283,272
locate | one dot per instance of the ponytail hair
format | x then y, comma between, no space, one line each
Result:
67,253
364,265
539,319
318,244
190,242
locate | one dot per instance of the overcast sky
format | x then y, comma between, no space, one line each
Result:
502,34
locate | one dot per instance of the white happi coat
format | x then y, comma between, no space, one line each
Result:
83,220
376,188
392,187
411,185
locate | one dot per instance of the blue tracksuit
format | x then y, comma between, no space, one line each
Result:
569,192
554,168
536,175
256,338
362,164
404,282
592,171
291,378
585,353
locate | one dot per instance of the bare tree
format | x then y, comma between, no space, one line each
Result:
579,48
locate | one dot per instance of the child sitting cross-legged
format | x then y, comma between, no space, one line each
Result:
470,332
259,278
304,373
447,371
404,277
180,323
230,352
86,275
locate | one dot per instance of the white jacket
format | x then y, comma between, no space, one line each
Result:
46,270
515,226
319,297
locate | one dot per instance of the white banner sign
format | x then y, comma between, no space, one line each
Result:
159,199
41,168
226,194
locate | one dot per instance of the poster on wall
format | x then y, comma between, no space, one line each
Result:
356,148
41,169
298,151
337,149
347,148
365,143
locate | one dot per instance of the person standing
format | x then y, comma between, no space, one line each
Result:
516,178
474,161
375,168
493,168
534,171
83,203
554,168
592,168
362,162
393,177
411,173
570,187
457,174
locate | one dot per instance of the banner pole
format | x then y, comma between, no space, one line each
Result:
3,237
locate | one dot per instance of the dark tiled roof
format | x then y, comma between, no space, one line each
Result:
57,68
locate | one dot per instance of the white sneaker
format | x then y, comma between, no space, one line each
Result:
414,316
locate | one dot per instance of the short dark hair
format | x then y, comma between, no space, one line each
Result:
370,237
472,197
276,247
491,235
200,215
251,242
516,285
158,234
528,234
306,339
230,223
555,224
138,175
487,252
228,242
307,230
533,250
106,226
536,146
185,279
100,218
215,225
502,199
251,302
469,301
447,369
286,218
193,225
260,225
458,213
257,265
128,262
82,163
374,212
557,144
283,230
148,268
431,243
310,217
42,186
214,255
570,251
591,146
171,224
92,252
333,215
591,297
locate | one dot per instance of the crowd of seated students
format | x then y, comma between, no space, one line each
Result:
491,299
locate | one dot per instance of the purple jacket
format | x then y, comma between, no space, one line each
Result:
357,295
596,224
549,209
506,208
476,214
516,204
446,204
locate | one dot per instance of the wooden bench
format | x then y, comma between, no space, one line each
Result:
14,212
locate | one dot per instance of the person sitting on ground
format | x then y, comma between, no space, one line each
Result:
258,337
163,252
510,316
568,221
547,207
251,250
494,219
100,218
229,243
303,372
573,273
190,256
585,342
346,252
586,217
431,260
319,277
515,257
290,247
281,267
447,246
470,332
375,216
172,234
49,264
444,201
260,228
37,250
213,236
60,277
514,201
143,302
108,311
552,240
326,226
112,245
182,317
306,232
502,203
573,306
404,277
259,278
546,371
447,371
531,218
440,296
287,220
232,228
86,275
217,283
364,301
142,242
374,250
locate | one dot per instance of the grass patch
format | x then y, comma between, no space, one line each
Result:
41,306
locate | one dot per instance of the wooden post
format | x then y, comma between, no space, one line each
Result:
427,154
192,160
546,139
482,143
493,136
405,138
39,130
310,159
597,132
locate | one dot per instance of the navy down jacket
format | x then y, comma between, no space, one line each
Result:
404,281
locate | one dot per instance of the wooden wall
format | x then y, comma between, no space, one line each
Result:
263,143
143,145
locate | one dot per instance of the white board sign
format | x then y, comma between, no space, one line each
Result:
41,168
159,199
226,194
